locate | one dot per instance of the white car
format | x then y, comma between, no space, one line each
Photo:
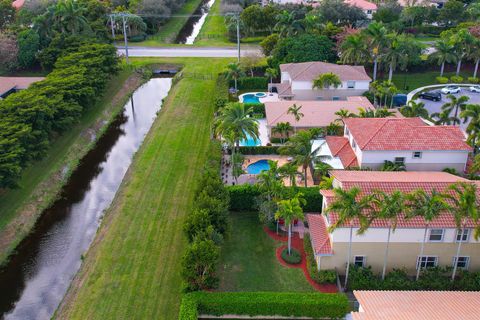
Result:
450,89
474,89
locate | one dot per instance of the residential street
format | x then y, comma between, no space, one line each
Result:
197,52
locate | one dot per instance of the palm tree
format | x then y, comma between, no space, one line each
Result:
414,109
326,81
455,105
295,112
388,207
344,113
472,113
271,73
444,53
474,54
326,183
290,210
283,128
235,72
322,168
288,24
397,54
349,205
461,40
375,113
427,206
290,171
442,118
69,15
300,148
270,185
333,129
465,207
354,50
377,41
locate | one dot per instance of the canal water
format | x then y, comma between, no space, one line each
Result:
192,28
34,282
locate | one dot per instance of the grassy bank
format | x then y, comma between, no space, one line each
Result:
132,270
42,181
214,30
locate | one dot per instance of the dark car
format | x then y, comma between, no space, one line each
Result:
432,95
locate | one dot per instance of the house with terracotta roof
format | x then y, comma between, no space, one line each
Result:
9,85
419,145
409,305
330,248
297,81
369,8
17,4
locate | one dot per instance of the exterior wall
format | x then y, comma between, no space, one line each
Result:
285,77
369,13
303,90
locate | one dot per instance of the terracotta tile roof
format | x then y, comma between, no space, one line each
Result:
404,134
416,305
316,113
284,89
362,4
319,234
369,181
9,83
340,147
307,71
17,4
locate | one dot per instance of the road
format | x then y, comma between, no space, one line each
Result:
198,52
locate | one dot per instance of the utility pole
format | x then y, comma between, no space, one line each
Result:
238,36
125,37
112,21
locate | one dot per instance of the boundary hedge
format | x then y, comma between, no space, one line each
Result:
315,305
253,83
259,150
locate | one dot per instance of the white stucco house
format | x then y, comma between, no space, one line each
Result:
368,142
297,81
369,8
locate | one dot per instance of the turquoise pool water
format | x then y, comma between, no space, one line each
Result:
250,142
253,97
257,167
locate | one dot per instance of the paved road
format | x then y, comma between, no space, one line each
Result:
188,52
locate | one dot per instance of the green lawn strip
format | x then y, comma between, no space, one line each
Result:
248,261
42,181
214,30
169,32
132,270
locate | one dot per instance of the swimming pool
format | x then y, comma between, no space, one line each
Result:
253,97
257,167
250,142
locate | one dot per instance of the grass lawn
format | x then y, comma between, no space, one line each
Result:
40,182
132,270
214,30
417,80
248,261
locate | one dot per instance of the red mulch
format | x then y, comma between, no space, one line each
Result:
297,243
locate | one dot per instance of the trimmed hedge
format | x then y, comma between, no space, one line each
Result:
295,257
250,83
242,197
258,108
288,304
322,276
259,150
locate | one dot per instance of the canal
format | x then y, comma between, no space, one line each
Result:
192,28
37,277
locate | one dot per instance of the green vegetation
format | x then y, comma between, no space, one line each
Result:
319,276
214,30
408,81
316,305
248,261
133,266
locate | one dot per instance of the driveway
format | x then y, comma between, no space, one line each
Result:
433,106
197,52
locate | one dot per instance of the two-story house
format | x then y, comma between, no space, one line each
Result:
297,81
420,146
368,249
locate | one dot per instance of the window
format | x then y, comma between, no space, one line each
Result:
347,132
436,235
399,160
462,262
369,11
417,155
354,145
351,84
463,235
360,261
427,261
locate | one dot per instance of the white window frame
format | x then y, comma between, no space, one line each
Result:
435,262
399,162
364,260
465,230
467,262
349,86
354,145
430,235
419,155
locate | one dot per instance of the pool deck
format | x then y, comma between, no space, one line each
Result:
268,98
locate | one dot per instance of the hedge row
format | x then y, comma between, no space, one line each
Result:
258,108
259,150
322,276
287,304
242,197
221,91
250,83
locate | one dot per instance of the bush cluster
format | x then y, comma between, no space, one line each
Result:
456,79
221,92
438,278
287,304
295,257
206,225
258,108
250,83
242,197
30,118
258,150
322,276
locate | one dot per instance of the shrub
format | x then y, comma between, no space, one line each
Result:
221,92
251,83
456,79
198,265
294,257
442,80
288,304
269,43
473,80
259,150
322,276
188,308
258,108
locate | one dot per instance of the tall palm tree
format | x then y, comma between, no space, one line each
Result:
70,16
377,41
472,113
290,171
397,54
294,110
283,128
322,168
461,40
300,148
349,205
427,206
235,72
465,207
271,73
270,185
326,81
474,54
290,210
333,129
444,53
442,118
456,105
344,113
414,109
288,24
388,206
354,50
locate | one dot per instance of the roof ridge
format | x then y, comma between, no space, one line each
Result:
308,66
385,120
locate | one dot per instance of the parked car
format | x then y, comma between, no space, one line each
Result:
450,89
431,95
474,89
399,100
